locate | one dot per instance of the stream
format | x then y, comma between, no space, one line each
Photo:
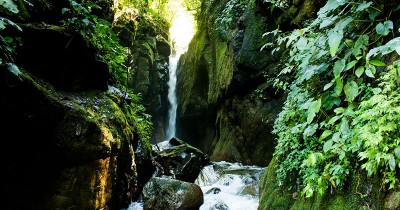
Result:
226,186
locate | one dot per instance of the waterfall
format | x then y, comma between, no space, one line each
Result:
181,32
173,64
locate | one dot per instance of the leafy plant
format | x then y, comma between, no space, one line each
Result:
98,32
8,43
323,131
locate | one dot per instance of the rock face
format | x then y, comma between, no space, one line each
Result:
148,64
166,193
68,141
64,150
224,106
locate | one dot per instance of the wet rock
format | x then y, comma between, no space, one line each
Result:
182,161
214,190
166,193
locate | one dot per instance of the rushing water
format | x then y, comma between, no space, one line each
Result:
226,186
173,64
230,186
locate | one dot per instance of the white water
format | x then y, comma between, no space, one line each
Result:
236,184
173,64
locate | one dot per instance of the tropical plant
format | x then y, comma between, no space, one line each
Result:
335,120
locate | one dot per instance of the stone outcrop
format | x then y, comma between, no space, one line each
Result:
166,193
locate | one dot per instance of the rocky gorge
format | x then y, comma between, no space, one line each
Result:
84,105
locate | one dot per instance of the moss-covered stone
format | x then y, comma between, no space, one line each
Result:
78,148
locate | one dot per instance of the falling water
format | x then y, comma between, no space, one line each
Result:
173,64
181,33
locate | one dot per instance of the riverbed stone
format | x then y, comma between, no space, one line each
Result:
167,193
182,160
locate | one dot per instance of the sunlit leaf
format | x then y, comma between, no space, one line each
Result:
9,5
327,86
389,47
350,65
392,163
13,69
339,86
363,6
328,145
313,110
370,72
360,44
338,67
325,134
359,71
351,91
384,29
377,63
334,39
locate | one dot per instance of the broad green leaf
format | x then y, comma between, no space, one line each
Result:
327,86
397,152
329,6
370,71
384,29
334,41
13,69
360,44
339,110
363,6
325,134
328,145
343,23
327,22
333,120
350,65
310,130
313,110
389,47
336,137
392,163
302,43
359,71
2,23
351,91
339,86
377,63
9,5
338,67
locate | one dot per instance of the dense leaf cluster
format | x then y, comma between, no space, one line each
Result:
342,110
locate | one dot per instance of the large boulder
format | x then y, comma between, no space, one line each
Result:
182,161
166,193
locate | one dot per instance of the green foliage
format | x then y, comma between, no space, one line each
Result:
98,32
8,44
352,122
230,14
142,123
